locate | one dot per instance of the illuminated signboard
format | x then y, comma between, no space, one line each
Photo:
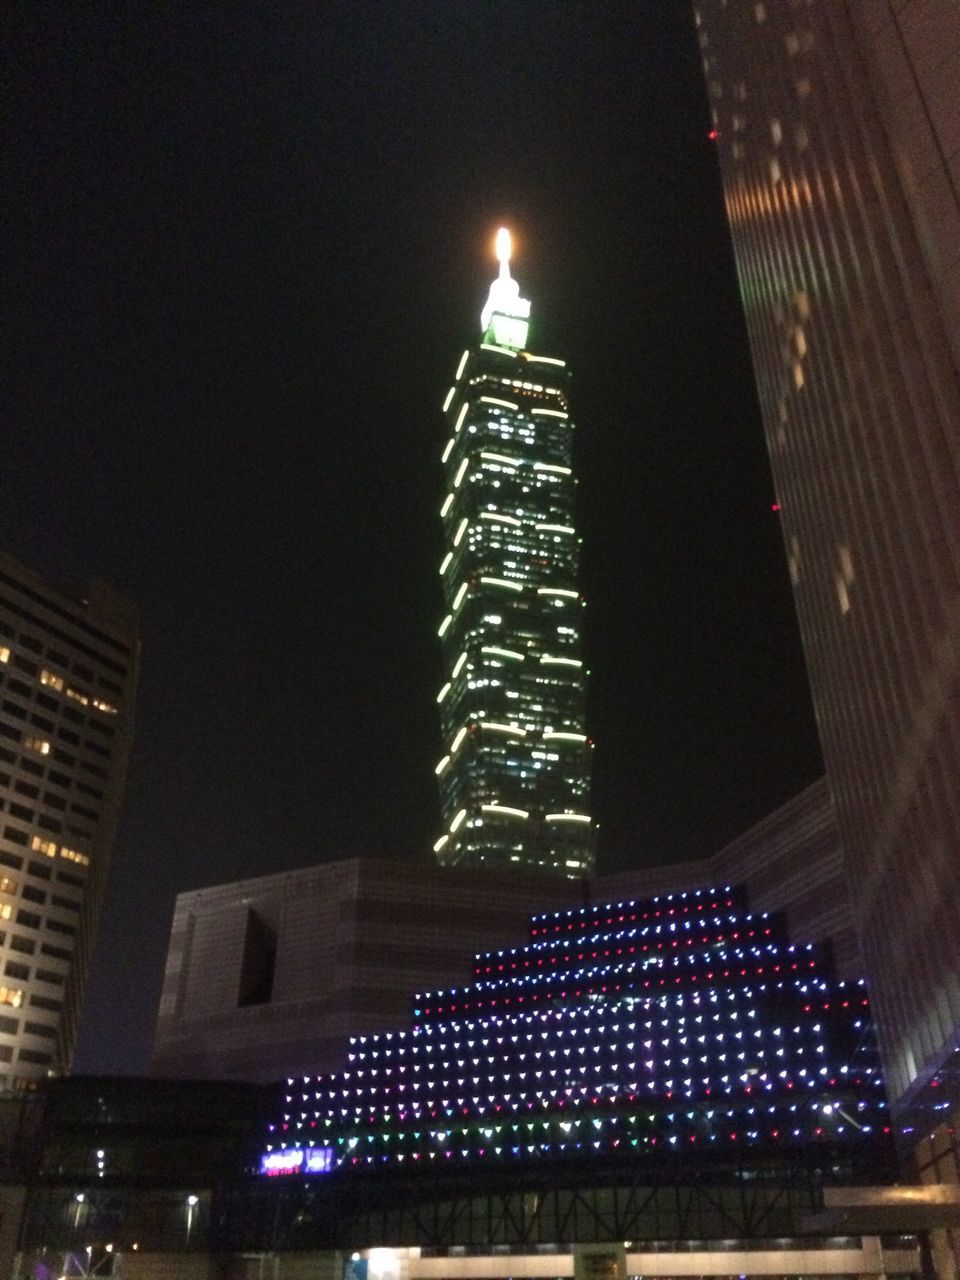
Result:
301,1160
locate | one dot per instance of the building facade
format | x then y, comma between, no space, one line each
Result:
68,672
515,775
270,977
839,142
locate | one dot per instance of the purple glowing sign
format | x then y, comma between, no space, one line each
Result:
300,1160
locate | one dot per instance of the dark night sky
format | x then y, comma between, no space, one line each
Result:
244,249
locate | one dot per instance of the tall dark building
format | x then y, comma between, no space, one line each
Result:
515,777
839,141
68,673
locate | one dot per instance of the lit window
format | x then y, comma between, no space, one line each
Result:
77,696
37,744
11,996
4,653
72,855
54,682
6,910
105,707
39,845
8,884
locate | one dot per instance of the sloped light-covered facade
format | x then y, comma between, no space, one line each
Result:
684,1023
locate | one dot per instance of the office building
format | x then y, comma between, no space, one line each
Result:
515,773
838,135
68,672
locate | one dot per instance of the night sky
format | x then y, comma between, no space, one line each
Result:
244,249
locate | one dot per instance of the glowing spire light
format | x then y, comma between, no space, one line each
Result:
504,320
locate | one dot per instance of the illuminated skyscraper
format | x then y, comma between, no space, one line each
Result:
68,674
837,130
515,776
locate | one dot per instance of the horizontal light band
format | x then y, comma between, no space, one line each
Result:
445,563
447,449
502,653
458,667
544,360
551,413
561,662
569,817
458,536
504,404
442,630
558,591
556,528
503,728
443,692
555,470
460,417
500,518
462,365
560,735
440,843
458,821
447,504
500,457
503,351
442,765
505,809
450,394
461,472
502,582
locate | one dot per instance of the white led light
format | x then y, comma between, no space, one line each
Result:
458,536
569,817
442,630
556,528
450,394
503,351
561,735
505,404
459,665
504,809
460,596
499,518
462,365
447,504
501,582
501,457
461,472
550,413
458,821
443,692
555,470
440,843
460,417
445,563
502,653
455,744
558,591
561,662
544,360
447,449
442,765
495,727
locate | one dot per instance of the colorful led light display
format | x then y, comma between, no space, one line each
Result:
682,1023
511,630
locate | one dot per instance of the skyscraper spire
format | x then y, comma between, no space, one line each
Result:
515,776
504,319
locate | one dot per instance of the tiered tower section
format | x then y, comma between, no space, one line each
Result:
515,774
679,1024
